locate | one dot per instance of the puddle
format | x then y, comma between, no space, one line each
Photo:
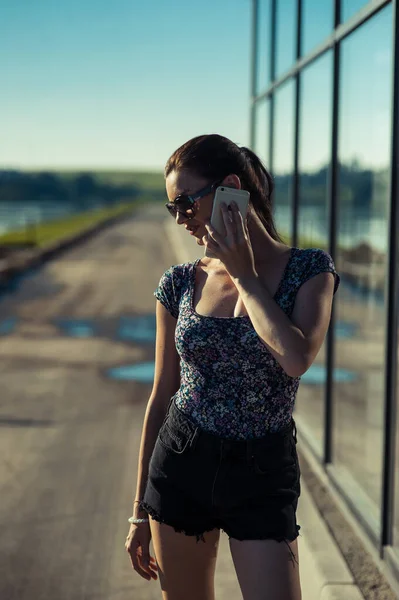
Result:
316,375
137,329
81,328
345,329
141,372
7,326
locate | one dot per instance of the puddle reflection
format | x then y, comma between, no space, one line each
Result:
7,326
137,329
141,372
81,328
317,375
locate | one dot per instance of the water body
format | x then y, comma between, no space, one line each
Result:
18,215
353,228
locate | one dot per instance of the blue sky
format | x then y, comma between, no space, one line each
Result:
122,83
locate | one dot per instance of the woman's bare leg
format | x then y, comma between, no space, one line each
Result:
186,568
266,569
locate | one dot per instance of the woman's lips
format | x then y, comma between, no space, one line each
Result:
192,231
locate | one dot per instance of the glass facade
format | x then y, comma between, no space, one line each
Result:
329,128
263,46
363,197
314,170
317,23
350,8
283,158
262,132
286,26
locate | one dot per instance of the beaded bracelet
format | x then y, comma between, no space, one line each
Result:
133,520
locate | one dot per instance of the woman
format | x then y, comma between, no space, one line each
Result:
234,335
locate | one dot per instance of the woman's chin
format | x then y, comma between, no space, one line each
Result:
199,241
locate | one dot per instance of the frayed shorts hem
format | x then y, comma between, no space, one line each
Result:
187,531
200,534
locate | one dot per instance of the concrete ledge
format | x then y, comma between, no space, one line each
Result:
341,592
323,571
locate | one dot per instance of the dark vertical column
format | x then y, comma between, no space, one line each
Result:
295,180
333,216
254,65
392,317
272,78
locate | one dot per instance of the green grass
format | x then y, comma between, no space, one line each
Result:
43,234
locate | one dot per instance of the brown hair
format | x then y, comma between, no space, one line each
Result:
214,157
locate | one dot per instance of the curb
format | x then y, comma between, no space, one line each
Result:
324,573
15,265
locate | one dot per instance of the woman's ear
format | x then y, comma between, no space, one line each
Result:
233,181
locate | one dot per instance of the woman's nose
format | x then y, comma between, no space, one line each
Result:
180,218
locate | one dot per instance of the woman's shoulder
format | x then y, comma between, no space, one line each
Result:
317,260
178,271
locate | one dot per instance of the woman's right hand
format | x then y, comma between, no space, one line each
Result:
138,546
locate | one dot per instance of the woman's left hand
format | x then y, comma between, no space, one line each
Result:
234,250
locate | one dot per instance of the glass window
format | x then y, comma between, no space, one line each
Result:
317,23
396,470
283,158
262,134
286,24
263,47
350,7
362,236
315,119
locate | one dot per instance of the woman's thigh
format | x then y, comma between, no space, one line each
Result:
266,570
186,568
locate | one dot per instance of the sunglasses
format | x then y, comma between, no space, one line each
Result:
184,204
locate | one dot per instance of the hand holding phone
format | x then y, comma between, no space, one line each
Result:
227,195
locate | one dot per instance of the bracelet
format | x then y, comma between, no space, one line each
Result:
133,520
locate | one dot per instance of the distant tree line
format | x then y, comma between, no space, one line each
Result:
83,189
359,188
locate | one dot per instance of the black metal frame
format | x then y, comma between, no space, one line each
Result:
333,218
392,321
341,31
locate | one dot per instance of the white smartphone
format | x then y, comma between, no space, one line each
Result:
227,195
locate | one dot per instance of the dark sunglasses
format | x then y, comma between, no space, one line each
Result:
184,203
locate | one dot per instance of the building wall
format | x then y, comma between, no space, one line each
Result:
324,115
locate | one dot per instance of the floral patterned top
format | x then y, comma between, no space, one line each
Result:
230,383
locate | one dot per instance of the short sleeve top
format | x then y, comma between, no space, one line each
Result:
230,383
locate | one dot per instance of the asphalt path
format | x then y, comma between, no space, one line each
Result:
70,433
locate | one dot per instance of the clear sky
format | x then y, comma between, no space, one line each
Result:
120,83
123,83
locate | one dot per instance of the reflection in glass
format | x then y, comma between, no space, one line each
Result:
350,7
363,202
317,23
283,158
396,476
286,24
261,142
263,48
315,116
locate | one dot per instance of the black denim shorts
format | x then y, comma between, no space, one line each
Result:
199,481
